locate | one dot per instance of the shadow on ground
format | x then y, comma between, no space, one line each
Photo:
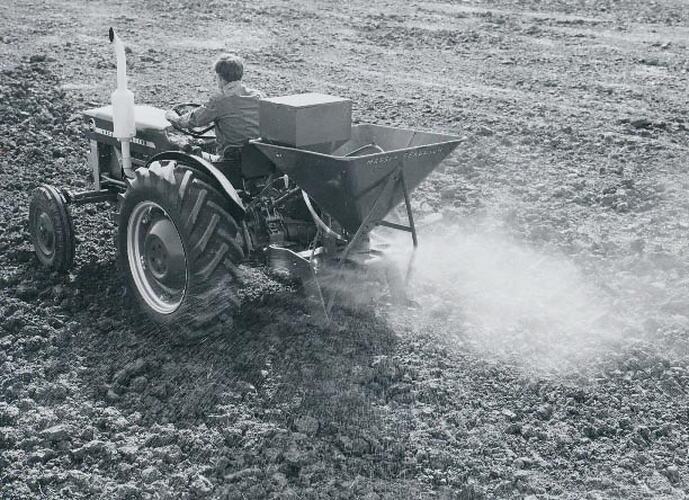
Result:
277,361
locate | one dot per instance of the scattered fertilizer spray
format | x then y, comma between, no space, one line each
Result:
510,301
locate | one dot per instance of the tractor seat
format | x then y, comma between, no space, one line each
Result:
230,164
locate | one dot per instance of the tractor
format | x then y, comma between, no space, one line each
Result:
304,199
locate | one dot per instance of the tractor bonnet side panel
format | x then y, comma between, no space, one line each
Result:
150,135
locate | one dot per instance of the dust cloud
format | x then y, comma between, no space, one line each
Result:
510,301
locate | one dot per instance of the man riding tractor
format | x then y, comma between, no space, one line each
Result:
233,110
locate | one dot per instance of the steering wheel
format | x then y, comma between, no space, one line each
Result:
198,132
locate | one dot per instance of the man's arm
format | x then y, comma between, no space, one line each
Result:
203,115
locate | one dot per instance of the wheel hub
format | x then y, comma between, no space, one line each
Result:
164,253
156,256
45,234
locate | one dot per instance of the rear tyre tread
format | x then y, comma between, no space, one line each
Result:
229,220
213,264
183,185
207,233
198,204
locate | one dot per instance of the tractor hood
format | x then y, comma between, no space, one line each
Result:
145,117
151,129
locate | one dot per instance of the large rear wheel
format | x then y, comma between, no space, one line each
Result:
180,249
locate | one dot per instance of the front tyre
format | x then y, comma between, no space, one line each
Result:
51,228
179,249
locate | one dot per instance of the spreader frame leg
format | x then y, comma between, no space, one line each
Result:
395,176
407,204
411,228
363,229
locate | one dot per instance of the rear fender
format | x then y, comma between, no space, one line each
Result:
235,206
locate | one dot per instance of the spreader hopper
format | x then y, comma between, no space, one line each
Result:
363,179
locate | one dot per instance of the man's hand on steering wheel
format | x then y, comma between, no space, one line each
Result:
175,117
172,116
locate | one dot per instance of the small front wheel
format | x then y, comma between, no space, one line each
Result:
51,228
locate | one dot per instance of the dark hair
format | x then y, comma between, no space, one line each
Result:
229,67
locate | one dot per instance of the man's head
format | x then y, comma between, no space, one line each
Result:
229,68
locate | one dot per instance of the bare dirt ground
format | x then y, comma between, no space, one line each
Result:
550,355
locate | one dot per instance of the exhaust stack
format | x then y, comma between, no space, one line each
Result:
124,125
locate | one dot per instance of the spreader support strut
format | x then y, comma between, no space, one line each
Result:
395,177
